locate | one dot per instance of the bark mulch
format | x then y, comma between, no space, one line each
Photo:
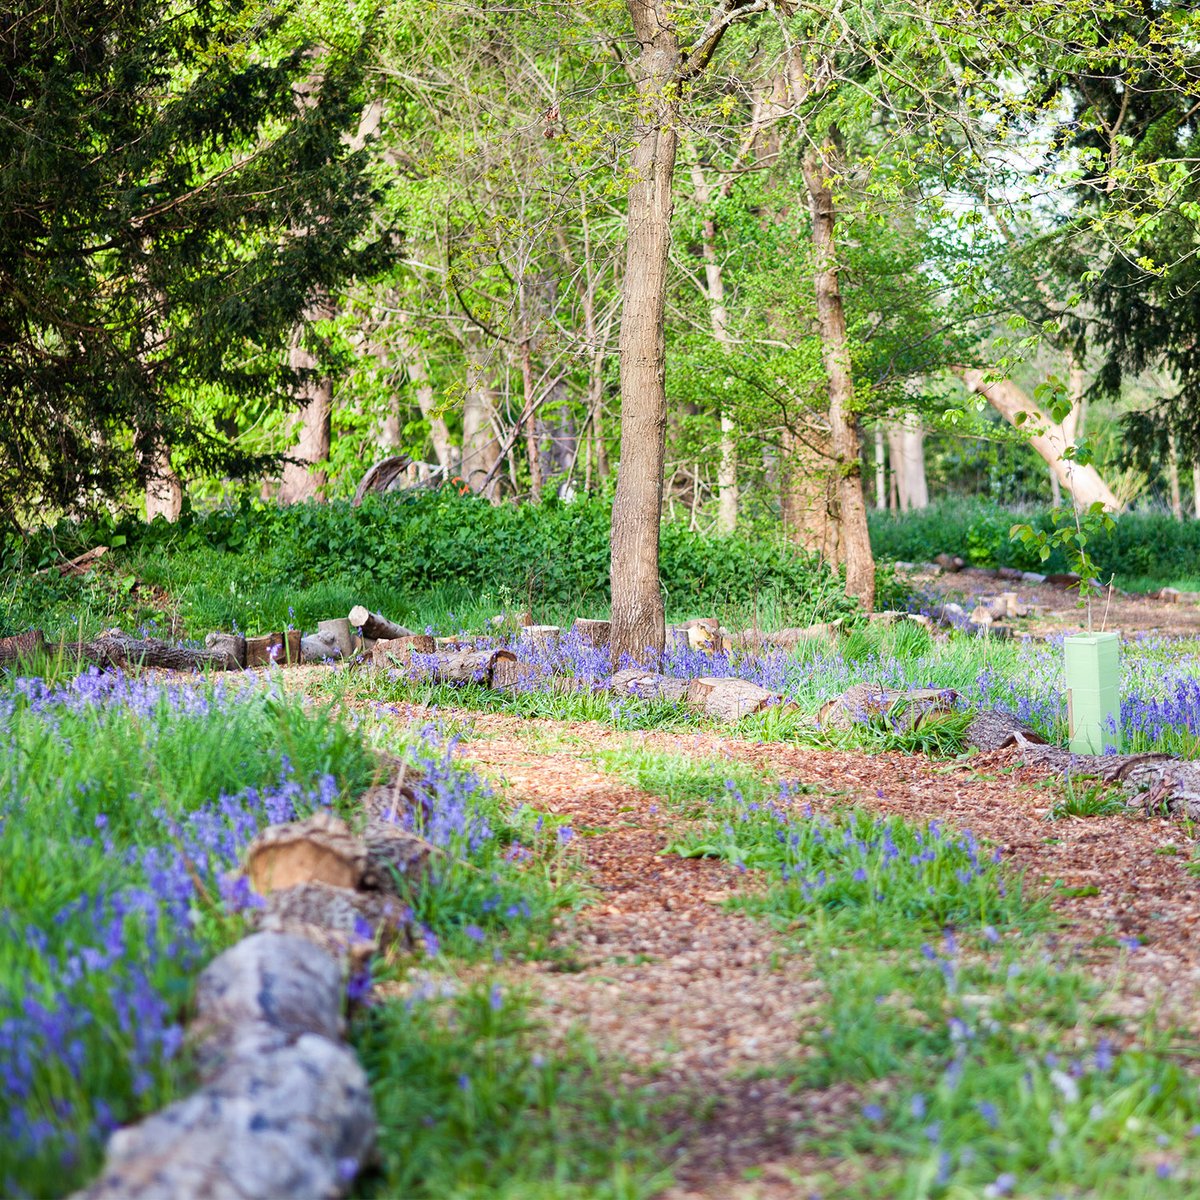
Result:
708,1004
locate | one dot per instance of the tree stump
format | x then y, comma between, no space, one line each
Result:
273,649
338,629
231,645
398,652
729,699
593,633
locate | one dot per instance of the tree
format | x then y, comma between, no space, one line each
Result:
666,66
166,214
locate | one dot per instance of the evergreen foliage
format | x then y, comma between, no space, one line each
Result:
175,186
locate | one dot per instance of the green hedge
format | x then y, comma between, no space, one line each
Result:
418,542
1141,545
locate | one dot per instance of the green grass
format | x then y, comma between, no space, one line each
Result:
985,1067
472,1104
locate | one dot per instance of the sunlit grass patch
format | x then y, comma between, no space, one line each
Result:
473,1103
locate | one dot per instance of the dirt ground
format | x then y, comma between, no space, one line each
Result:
706,1005
1058,608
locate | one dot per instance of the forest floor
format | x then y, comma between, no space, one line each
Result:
709,1008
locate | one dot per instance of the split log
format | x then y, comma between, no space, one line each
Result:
338,629
21,646
648,685
320,849
463,666
994,730
398,652
318,647
231,645
375,626
907,708
395,857
541,638
593,633
284,1108
730,699
273,649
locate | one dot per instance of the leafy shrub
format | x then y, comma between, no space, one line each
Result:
1138,545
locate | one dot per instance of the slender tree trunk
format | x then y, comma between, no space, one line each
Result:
1082,482
638,624
807,497
906,440
880,469
853,536
727,486
480,446
418,374
303,478
529,421
164,490
1196,489
1173,477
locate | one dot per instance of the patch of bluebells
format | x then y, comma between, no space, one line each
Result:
1004,1101
102,1001
854,861
95,966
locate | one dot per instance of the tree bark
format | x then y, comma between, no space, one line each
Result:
418,375
164,490
906,440
853,536
727,486
302,478
638,622
1173,478
1082,482
880,469
480,446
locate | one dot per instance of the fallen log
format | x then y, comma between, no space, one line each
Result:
79,565
116,649
905,708
648,685
729,699
375,626
994,730
788,639
462,666
319,647
21,646
284,1108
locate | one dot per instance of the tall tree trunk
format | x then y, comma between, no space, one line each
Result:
906,441
312,425
164,490
1173,477
714,279
638,623
418,375
880,469
854,539
529,422
807,496
480,445
1196,489
1082,482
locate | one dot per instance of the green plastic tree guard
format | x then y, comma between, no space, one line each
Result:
1093,692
